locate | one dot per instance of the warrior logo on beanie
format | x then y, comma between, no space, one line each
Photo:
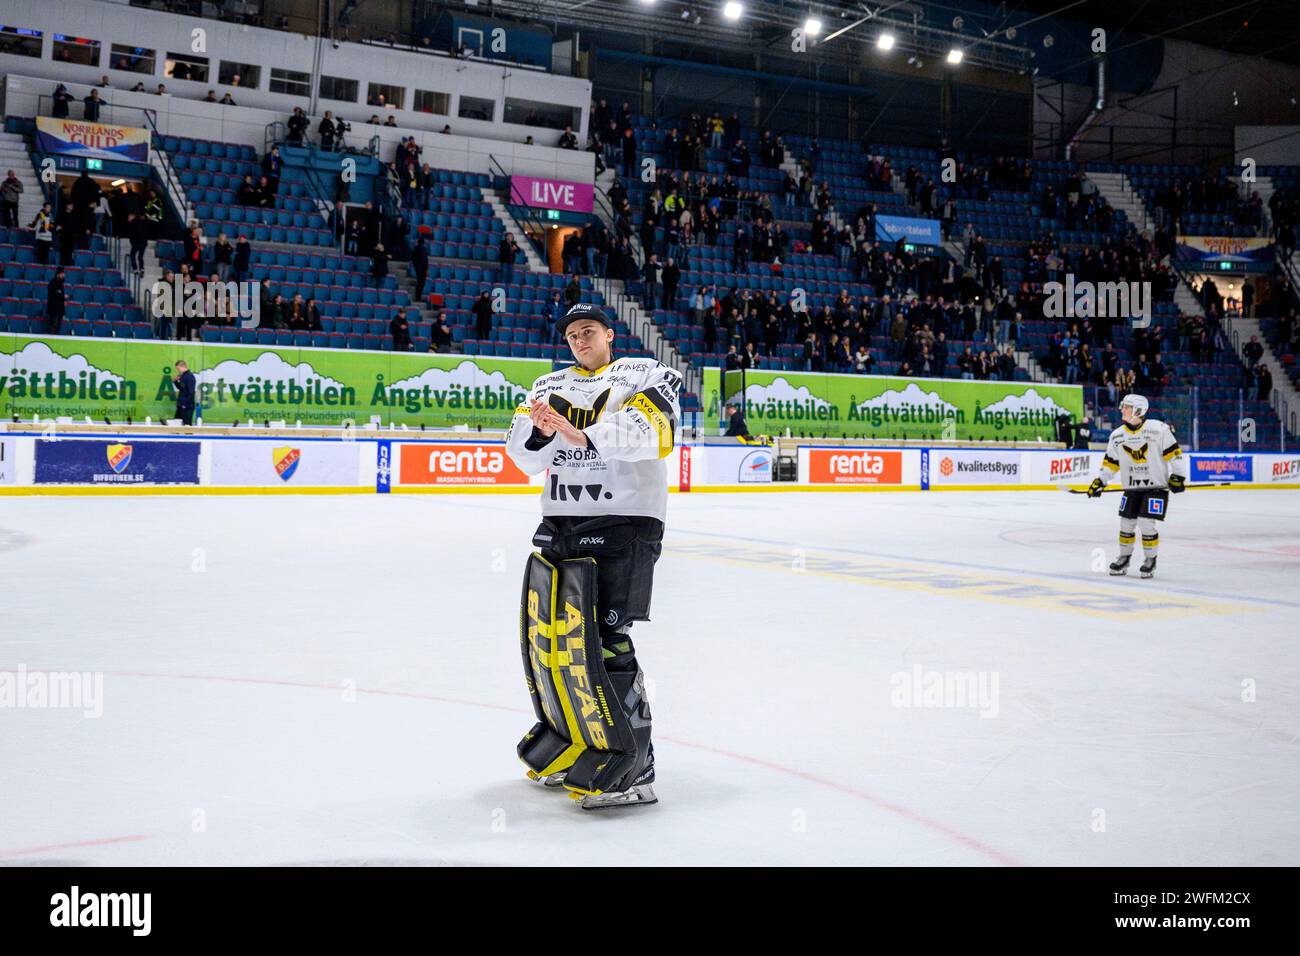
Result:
583,310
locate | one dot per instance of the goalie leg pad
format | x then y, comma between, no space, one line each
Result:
593,696
549,747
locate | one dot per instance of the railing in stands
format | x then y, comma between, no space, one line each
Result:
171,179
275,135
119,248
1287,266
514,198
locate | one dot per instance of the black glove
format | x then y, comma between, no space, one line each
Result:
1094,489
1177,483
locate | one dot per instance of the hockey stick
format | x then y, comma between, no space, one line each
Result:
1112,491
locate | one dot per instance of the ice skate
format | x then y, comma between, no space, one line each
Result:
1120,564
554,780
1148,568
641,795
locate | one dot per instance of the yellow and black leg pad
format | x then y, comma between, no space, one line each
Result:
582,726
548,748
600,723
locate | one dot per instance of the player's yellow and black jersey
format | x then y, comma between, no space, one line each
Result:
1145,455
630,412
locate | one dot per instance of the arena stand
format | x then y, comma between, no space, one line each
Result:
1092,237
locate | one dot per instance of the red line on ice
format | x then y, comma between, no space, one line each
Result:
967,841
27,850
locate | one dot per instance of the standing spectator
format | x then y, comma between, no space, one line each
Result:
85,193
740,251
185,388
272,163
672,276
966,364
571,252
153,213
61,100
104,217
92,106
573,292
242,258
401,330
1264,379
420,266
506,251
1252,351
379,265
162,305
482,310
650,273
55,302
10,192
629,152
327,131
297,126
194,250
555,310
223,255
44,226
137,231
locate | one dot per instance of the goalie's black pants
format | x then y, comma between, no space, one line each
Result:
625,548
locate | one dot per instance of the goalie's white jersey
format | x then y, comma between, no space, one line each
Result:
630,411
1145,456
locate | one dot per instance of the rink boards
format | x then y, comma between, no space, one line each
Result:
279,463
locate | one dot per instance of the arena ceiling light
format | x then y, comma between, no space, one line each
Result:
885,41
812,26
954,57
733,10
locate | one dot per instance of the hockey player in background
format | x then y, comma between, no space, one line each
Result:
603,428
1150,464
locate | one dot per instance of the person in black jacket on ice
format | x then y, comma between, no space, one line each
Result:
184,381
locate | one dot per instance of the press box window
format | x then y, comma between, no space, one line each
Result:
427,101
20,42
338,88
239,74
471,107
133,59
290,82
545,115
381,94
187,66
76,50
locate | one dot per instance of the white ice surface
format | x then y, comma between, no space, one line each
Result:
228,630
